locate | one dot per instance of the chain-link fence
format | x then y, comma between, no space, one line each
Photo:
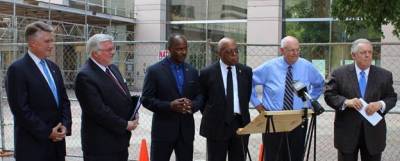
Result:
134,57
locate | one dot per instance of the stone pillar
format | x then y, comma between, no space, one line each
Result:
150,26
264,26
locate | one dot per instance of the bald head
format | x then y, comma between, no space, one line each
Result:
175,39
225,41
288,40
227,51
290,49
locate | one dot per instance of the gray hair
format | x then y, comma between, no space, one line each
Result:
34,27
356,44
286,39
93,44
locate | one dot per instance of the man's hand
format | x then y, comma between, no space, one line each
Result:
181,105
260,108
58,133
132,124
353,103
373,107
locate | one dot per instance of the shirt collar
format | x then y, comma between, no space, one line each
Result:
171,62
225,66
102,67
34,57
358,70
286,64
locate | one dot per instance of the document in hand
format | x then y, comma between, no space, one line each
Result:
374,118
136,102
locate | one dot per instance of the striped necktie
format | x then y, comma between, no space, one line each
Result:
289,92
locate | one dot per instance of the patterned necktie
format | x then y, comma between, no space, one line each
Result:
289,92
108,72
362,83
229,96
50,81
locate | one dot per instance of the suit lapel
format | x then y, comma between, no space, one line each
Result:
187,77
353,80
43,81
239,77
220,80
102,75
371,78
119,79
169,74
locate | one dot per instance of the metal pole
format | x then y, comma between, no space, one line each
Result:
49,16
86,28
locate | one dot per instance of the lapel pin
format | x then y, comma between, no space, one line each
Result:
187,69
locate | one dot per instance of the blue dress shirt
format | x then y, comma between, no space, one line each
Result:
177,71
271,76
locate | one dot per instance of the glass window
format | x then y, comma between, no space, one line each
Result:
183,10
191,31
227,9
308,32
307,8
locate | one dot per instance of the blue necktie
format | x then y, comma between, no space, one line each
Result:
362,83
51,83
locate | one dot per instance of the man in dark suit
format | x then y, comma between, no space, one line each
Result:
226,88
346,87
38,100
106,104
171,91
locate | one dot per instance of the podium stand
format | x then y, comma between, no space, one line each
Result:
276,121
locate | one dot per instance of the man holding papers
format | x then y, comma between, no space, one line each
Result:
347,88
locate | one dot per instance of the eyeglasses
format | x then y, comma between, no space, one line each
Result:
231,51
292,50
113,49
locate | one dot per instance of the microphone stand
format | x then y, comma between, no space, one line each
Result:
311,133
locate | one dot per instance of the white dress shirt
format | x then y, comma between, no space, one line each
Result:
224,71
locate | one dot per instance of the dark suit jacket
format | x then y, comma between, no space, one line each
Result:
159,90
213,125
105,110
343,84
35,110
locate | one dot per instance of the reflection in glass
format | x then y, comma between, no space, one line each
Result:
227,9
191,31
307,8
183,10
308,32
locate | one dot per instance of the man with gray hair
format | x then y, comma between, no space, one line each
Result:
276,77
38,99
357,87
106,104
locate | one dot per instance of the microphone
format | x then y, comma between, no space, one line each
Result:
301,91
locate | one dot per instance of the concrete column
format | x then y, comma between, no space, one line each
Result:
390,57
150,26
264,26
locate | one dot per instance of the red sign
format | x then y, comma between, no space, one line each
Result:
162,54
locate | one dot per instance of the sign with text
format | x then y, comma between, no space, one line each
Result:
162,54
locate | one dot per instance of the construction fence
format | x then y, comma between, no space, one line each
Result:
133,58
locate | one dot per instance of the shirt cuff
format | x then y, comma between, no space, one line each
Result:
343,106
383,106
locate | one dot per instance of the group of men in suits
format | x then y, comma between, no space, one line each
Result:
174,90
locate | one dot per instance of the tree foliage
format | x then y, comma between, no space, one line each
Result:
361,14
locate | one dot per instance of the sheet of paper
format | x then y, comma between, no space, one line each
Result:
137,107
374,118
